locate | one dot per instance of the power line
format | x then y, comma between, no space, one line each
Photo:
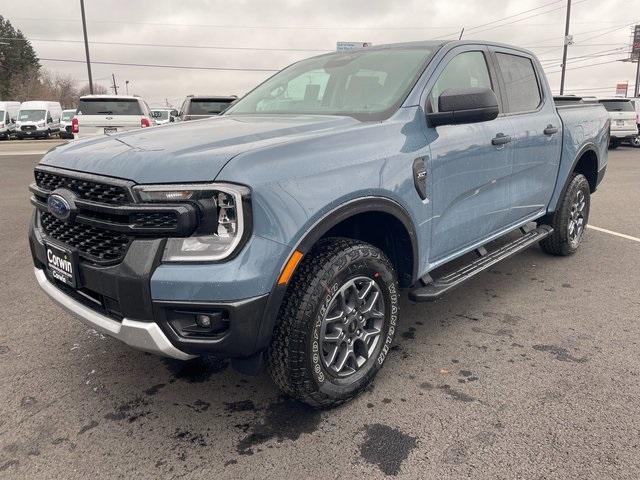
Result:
155,65
587,66
155,45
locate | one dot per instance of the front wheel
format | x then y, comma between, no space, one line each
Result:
635,141
336,324
570,219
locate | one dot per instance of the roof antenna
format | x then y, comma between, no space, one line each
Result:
461,32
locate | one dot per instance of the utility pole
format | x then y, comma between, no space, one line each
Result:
636,87
566,45
115,87
86,46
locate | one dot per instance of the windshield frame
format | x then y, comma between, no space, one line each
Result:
361,116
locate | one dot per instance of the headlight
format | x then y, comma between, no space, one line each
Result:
224,221
41,124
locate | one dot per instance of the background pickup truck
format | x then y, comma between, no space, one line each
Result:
282,231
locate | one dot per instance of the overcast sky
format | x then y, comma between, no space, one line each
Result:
598,26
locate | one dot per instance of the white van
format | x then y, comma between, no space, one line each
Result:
8,116
624,126
109,114
38,119
65,123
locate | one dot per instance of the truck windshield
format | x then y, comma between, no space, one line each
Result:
31,115
617,105
66,116
1,116
203,106
109,106
365,84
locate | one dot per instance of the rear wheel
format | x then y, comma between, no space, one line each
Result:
570,219
336,323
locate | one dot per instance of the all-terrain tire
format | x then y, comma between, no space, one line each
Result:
295,356
560,242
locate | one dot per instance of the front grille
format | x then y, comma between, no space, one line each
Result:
155,220
95,244
68,128
85,189
27,128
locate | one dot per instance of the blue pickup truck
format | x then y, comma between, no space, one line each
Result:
283,232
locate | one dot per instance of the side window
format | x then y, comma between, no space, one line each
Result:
521,84
49,119
468,69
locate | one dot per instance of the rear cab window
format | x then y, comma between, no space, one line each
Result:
206,106
107,106
618,105
521,85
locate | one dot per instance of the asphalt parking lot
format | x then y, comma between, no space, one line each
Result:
531,370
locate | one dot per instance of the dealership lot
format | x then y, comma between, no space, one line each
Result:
529,371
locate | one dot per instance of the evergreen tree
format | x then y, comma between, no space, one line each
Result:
18,59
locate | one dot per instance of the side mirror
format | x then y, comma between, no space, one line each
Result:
464,105
172,118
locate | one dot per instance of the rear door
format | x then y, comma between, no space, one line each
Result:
537,138
98,116
469,174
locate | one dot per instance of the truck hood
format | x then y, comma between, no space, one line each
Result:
187,151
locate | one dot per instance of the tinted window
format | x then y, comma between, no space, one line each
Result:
203,106
367,84
466,70
66,116
521,84
617,105
106,106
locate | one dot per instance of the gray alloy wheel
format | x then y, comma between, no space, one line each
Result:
575,227
352,326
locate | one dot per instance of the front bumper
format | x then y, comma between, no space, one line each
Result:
145,336
128,309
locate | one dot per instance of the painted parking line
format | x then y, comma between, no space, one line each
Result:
621,235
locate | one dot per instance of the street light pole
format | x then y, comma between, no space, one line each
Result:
566,44
86,46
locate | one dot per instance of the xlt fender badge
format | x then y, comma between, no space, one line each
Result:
420,176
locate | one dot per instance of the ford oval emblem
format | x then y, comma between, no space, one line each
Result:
59,207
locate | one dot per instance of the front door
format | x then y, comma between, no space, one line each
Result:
469,173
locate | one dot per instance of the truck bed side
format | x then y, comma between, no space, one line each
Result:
585,138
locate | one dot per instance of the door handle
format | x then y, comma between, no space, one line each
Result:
550,130
500,139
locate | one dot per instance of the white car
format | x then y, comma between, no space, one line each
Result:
109,114
65,123
8,117
624,126
38,119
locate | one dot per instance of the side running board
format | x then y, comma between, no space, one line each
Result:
442,285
